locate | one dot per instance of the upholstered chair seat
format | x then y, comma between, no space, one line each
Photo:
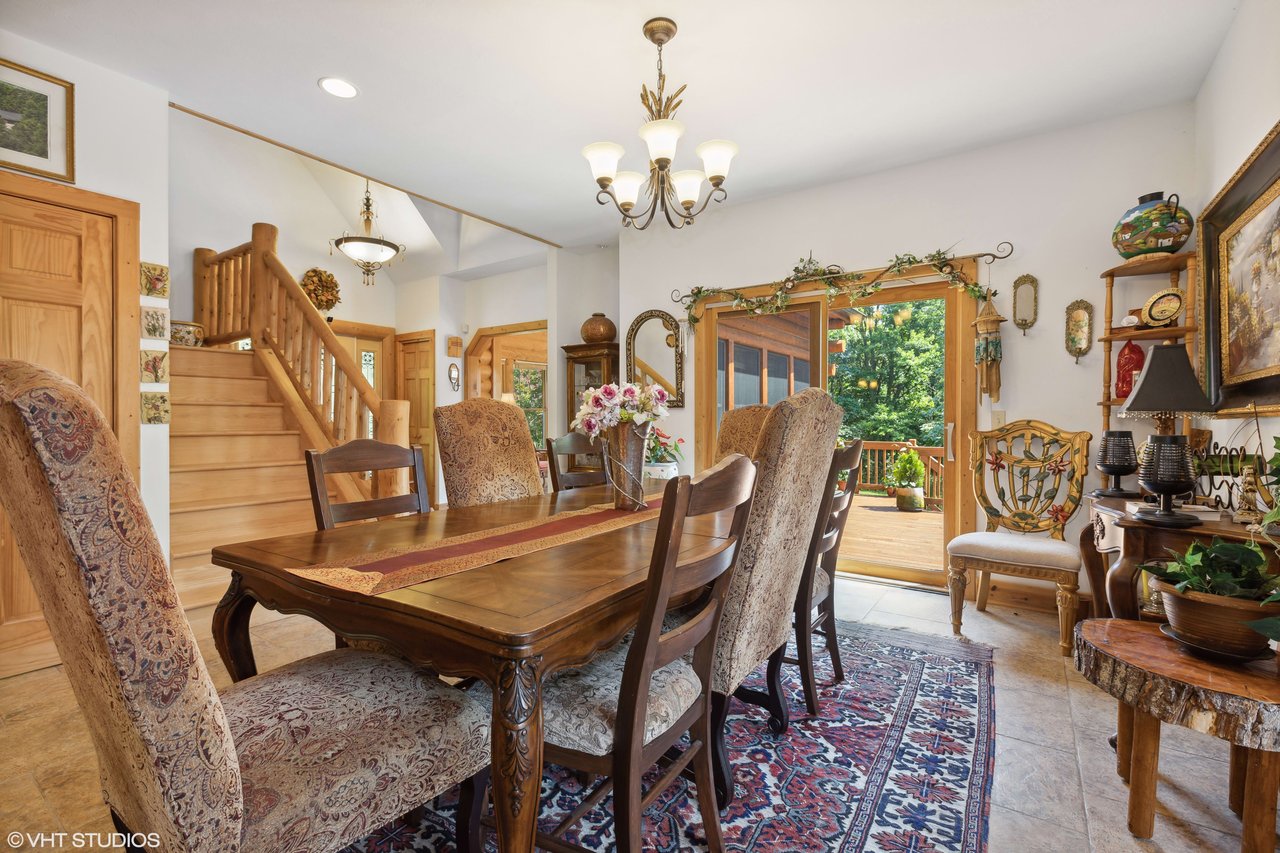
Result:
486,453
1017,550
310,757
739,431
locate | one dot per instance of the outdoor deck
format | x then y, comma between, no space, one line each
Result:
877,533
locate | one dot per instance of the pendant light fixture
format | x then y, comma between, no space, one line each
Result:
675,193
368,252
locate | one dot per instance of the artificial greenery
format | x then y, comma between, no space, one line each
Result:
1231,569
837,281
908,470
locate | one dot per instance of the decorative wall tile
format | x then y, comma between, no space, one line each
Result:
155,407
155,280
155,365
155,323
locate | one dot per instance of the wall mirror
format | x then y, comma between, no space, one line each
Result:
1079,328
1026,302
655,354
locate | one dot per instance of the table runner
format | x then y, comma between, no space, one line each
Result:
396,568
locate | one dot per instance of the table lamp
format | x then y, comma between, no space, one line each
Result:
1117,457
1166,388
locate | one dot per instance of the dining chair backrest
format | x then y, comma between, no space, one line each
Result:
365,454
793,456
740,430
165,753
1036,473
576,445
673,576
833,512
486,452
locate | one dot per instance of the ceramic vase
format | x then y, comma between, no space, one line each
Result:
626,464
1128,365
661,470
186,334
598,329
1153,225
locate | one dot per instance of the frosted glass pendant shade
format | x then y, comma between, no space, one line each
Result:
716,154
369,250
661,137
603,157
688,186
626,188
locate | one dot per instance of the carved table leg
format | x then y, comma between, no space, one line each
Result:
1124,740
1144,765
1068,599
1259,830
1095,566
231,630
956,582
517,751
1239,768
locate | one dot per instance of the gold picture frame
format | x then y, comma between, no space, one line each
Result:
37,123
1248,266
1079,328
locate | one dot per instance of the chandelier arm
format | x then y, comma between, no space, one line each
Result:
648,215
707,200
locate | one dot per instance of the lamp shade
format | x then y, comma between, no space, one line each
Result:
1167,386
716,154
603,157
661,137
688,186
369,250
626,188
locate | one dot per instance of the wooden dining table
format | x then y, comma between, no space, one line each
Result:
511,624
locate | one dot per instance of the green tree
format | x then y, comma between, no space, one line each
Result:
890,378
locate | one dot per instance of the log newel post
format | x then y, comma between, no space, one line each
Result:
201,272
262,242
393,428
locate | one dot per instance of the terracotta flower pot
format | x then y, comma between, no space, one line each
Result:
1215,621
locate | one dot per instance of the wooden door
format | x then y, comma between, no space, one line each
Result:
416,382
58,303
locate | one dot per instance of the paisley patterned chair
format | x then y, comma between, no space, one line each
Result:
1036,474
486,453
309,757
739,431
793,456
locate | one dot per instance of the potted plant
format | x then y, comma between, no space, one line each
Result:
1220,597
908,474
890,484
662,455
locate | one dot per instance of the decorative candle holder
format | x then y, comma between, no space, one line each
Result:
1117,457
1166,468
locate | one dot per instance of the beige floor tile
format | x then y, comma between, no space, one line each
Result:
1041,717
1037,782
931,606
1109,832
855,599
1020,671
1010,830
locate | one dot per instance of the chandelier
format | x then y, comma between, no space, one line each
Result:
675,193
369,253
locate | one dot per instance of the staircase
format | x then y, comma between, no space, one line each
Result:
236,465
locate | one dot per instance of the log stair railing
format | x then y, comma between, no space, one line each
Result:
246,292
647,375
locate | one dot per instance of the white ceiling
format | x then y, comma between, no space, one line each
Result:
485,105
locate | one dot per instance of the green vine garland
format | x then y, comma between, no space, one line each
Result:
834,278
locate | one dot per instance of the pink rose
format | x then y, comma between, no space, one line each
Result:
590,425
630,393
659,394
609,393
597,400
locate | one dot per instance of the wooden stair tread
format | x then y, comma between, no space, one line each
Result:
222,404
235,466
232,432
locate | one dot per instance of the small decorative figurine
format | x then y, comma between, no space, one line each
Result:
1247,512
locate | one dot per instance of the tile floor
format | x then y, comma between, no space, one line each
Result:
1055,783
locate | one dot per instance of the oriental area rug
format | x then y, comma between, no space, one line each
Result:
900,760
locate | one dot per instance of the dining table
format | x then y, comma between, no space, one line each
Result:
511,623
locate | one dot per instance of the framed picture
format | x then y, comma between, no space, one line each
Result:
1239,247
37,123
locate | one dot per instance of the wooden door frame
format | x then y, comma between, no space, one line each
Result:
398,341
481,335
962,411
387,334
125,298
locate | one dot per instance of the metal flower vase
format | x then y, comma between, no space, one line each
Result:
626,464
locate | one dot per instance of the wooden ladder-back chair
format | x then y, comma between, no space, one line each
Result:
1036,474
575,445
365,454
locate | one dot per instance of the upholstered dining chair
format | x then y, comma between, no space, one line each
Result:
311,756
793,457
365,454
739,430
818,583
1036,473
574,445
486,452
629,707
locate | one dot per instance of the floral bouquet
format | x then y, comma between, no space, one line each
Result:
663,447
623,414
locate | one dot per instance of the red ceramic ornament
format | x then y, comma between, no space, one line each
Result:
1128,365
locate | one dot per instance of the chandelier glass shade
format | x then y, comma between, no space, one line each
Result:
677,195
368,252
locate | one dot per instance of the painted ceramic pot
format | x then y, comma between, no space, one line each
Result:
1128,365
598,329
186,334
661,470
1154,225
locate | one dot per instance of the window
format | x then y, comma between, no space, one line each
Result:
779,383
529,383
800,367
746,375
722,379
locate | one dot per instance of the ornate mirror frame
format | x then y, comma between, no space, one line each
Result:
1020,319
1085,343
675,339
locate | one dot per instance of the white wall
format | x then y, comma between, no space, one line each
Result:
221,182
122,150
1055,196
513,297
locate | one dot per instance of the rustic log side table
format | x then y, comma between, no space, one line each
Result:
1156,681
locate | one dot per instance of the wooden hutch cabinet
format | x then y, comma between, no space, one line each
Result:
588,366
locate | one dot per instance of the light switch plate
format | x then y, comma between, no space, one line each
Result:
997,418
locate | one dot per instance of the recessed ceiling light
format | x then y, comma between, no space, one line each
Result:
338,87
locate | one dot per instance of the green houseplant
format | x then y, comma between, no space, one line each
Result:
908,476
1220,596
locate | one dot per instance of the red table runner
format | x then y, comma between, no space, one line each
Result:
396,568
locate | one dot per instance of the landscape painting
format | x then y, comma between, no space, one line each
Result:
1249,258
37,113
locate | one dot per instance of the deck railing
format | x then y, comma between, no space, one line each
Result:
878,458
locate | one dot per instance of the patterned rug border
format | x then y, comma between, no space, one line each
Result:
956,647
